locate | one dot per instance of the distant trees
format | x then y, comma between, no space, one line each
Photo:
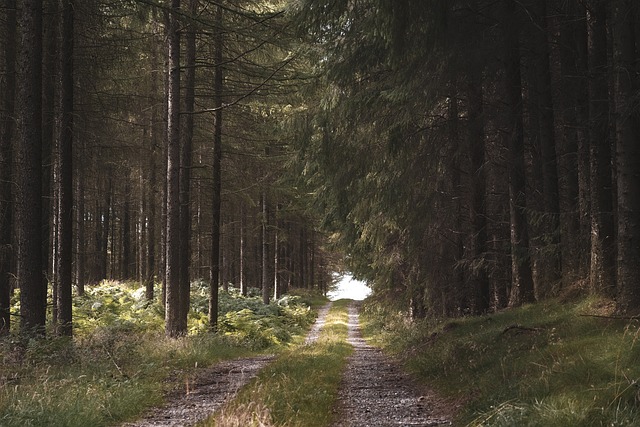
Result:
118,122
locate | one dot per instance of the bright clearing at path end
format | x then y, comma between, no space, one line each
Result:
349,288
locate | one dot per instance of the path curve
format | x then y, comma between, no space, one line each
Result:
376,392
204,394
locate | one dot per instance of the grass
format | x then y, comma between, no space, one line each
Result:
300,388
540,365
120,362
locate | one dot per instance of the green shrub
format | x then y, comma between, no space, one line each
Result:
119,359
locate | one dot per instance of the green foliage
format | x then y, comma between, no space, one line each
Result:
543,364
117,305
118,362
300,388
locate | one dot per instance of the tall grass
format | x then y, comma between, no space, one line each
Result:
120,363
300,388
541,365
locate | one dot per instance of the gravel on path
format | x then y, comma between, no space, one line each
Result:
376,392
210,388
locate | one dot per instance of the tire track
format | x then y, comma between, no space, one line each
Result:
213,387
376,392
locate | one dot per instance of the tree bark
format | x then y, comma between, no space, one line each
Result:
216,197
65,175
266,250
551,194
628,157
243,250
477,208
33,293
81,273
125,272
522,288
602,274
574,104
6,167
173,321
186,156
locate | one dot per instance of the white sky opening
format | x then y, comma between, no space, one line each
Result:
349,288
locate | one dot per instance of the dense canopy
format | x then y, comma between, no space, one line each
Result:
460,156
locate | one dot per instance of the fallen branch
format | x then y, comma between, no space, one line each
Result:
602,316
521,328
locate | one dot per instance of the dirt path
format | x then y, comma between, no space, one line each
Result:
376,392
197,399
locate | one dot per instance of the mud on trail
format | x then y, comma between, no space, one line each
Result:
374,390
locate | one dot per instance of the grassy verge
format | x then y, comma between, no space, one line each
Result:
120,362
547,364
300,388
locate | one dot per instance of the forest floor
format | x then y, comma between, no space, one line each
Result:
374,390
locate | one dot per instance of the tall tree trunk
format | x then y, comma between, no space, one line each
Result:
107,216
522,288
185,165
477,208
551,194
628,156
173,322
151,227
602,275
243,250
33,293
152,186
216,197
574,105
81,273
125,272
6,154
50,53
65,174
266,250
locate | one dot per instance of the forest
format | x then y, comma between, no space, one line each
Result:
178,176
462,157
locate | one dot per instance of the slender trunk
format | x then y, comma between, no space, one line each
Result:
574,117
216,197
185,167
50,53
243,251
33,295
125,272
628,157
81,274
6,154
65,176
522,289
602,275
173,312
477,208
551,195
266,250
155,141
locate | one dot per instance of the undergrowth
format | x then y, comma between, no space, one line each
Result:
300,388
120,362
548,364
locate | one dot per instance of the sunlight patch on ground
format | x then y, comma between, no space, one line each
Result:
349,288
